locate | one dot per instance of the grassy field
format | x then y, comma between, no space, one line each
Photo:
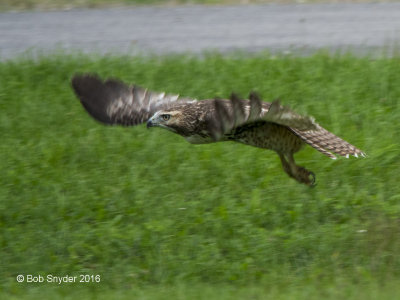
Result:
159,218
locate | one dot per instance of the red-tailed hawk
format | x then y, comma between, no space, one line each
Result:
251,122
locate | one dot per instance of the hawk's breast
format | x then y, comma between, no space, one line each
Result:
202,138
267,135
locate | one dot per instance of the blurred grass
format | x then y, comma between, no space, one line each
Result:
291,291
144,208
6,5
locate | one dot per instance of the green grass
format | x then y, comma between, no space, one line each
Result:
298,291
154,215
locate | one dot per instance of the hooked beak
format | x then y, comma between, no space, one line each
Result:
149,124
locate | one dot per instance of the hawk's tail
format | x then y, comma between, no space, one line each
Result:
328,143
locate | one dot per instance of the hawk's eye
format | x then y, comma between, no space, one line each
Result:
165,117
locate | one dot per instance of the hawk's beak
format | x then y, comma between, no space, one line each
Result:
149,124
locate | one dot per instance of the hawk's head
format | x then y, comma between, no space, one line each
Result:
173,120
190,120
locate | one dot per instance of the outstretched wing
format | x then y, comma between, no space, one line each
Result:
283,115
232,114
114,102
311,132
235,112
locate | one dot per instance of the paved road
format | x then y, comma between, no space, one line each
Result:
360,27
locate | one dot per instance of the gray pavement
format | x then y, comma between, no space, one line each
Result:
363,28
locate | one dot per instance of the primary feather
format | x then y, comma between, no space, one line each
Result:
113,102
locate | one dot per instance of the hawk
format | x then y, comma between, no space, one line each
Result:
251,122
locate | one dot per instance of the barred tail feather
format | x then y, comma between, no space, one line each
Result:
328,143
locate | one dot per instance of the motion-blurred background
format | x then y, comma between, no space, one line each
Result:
158,218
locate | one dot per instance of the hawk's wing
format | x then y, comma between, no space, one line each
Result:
114,102
311,132
283,115
233,113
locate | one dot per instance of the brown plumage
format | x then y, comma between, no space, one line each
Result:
251,122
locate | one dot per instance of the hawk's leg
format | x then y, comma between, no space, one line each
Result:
299,173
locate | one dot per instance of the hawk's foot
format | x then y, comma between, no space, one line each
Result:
301,174
304,176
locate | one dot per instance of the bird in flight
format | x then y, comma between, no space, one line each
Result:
252,122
